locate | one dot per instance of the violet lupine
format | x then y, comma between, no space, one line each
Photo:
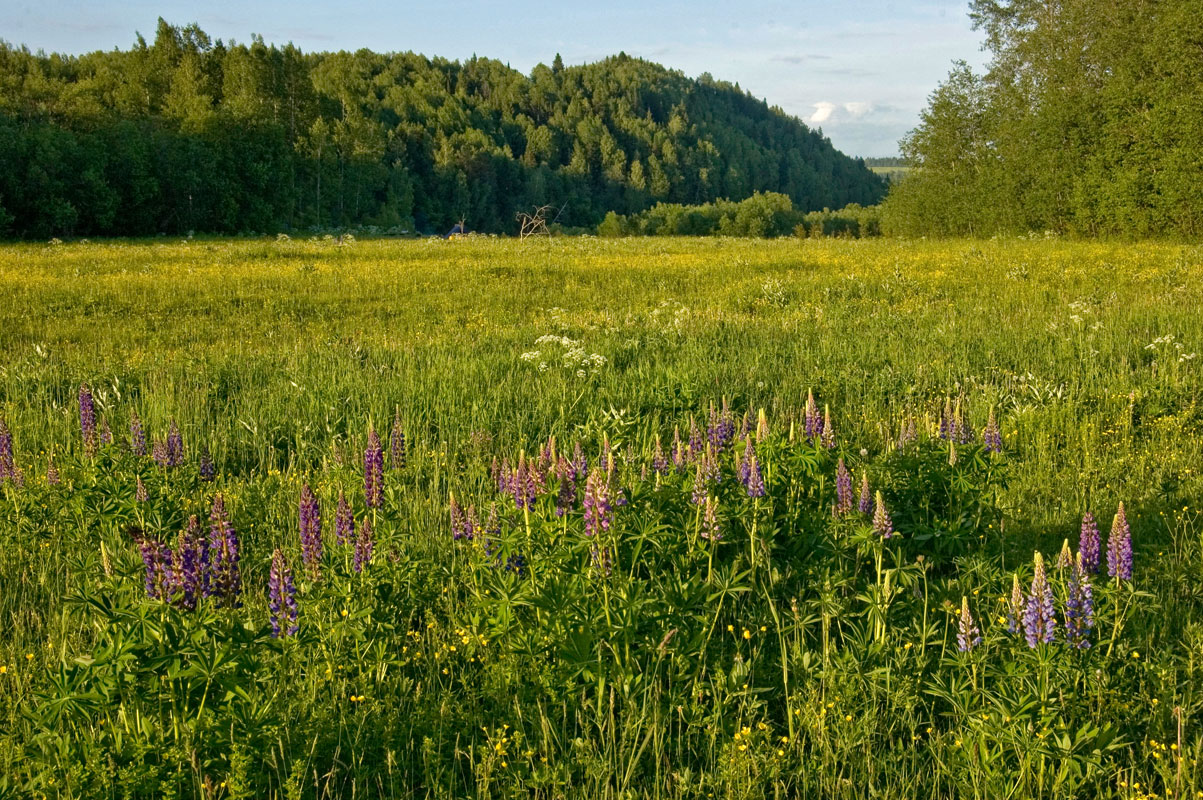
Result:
188,565
711,467
6,452
991,437
1119,548
463,523
53,478
866,497
700,490
140,493
175,446
1079,606
1088,543
226,581
1015,606
309,518
207,470
579,462
396,443
812,422
745,461
843,488
828,435
659,460
710,529
87,419
159,453
364,545
968,635
965,432
906,433
678,450
755,483
947,422
695,440
106,433
344,521
522,484
597,504
373,471
883,526
137,435
1039,618
282,597
156,558
566,497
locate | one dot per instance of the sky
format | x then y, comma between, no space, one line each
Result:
861,70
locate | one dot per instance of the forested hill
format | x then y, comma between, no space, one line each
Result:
190,134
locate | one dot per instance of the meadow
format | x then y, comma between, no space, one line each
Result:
671,518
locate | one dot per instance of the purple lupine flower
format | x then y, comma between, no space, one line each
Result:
175,446
906,433
580,464
1015,606
1088,543
602,560
597,504
566,497
866,498
726,425
137,435
522,484
720,428
140,493
396,443
106,433
344,521
659,460
755,483
373,471
991,437
188,566
947,421
883,526
965,432
226,577
309,516
1079,606
700,490
282,597
812,422
678,449
207,471
710,529
828,436
1039,620
87,419
6,452
968,635
463,523
843,489
1119,548
159,453
156,558
52,474
712,468
364,544
745,462
695,440
471,523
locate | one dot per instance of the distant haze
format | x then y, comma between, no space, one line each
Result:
860,70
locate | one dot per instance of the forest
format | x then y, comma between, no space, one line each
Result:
190,134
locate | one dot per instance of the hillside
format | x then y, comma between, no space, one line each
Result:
187,133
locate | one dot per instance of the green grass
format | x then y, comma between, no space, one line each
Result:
276,357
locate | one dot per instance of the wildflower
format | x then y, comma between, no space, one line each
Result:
659,461
1088,543
906,433
755,483
364,545
175,446
226,582
207,471
52,475
991,437
745,462
678,450
843,488
373,470
396,443
566,496
695,439
1065,558
1119,548
597,504
947,421
87,419
1039,621
106,433
968,635
710,529
828,435
812,422
6,452
137,436
883,526
1079,606
1015,606
282,596
310,525
762,426
579,463
344,520
188,565
866,499
156,558
159,453
700,491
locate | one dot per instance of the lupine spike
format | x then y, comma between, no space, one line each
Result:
710,527
755,484
282,597
52,474
828,436
137,435
597,504
968,635
309,517
344,521
1015,606
991,437
140,493
1088,543
373,471
1119,548
843,488
175,446
866,497
6,453
396,441
1065,558
87,419
1039,619
883,526
364,545
226,582
1079,606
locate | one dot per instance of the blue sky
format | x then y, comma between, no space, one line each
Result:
861,70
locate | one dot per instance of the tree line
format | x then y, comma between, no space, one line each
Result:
1086,121
191,134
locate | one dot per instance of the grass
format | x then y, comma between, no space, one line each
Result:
615,665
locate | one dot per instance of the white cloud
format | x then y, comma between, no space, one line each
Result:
822,113
857,108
